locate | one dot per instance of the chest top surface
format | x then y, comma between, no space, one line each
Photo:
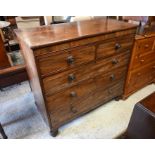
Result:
48,35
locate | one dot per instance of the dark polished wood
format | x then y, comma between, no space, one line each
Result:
4,62
49,35
141,70
75,67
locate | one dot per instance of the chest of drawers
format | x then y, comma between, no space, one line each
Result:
141,70
76,67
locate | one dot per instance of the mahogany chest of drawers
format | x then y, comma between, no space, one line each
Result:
76,67
141,70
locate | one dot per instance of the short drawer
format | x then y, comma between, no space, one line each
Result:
141,77
99,97
62,60
142,60
57,82
114,46
145,45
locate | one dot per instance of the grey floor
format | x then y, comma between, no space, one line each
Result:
20,118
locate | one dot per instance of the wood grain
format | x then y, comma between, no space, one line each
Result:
60,61
141,67
49,35
76,67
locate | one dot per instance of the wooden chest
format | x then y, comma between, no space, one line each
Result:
76,67
141,70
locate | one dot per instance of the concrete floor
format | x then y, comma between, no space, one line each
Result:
20,118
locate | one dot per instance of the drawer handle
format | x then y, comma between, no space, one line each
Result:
117,46
146,46
112,77
73,109
71,77
73,94
139,74
70,60
142,61
114,61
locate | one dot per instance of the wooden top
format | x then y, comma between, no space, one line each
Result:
46,35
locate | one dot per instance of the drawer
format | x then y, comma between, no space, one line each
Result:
105,80
114,46
99,97
145,45
62,60
95,99
141,77
68,96
74,76
142,60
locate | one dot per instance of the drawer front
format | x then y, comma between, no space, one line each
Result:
142,60
115,46
105,80
99,97
68,96
69,78
95,99
145,45
141,77
59,61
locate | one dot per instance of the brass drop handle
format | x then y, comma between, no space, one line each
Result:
71,77
114,61
70,60
73,94
117,46
112,77
73,109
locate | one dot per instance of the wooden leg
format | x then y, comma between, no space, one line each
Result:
2,132
54,133
118,98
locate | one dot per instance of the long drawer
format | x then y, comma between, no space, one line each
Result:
95,99
114,46
59,61
140,77
82,90
72,77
